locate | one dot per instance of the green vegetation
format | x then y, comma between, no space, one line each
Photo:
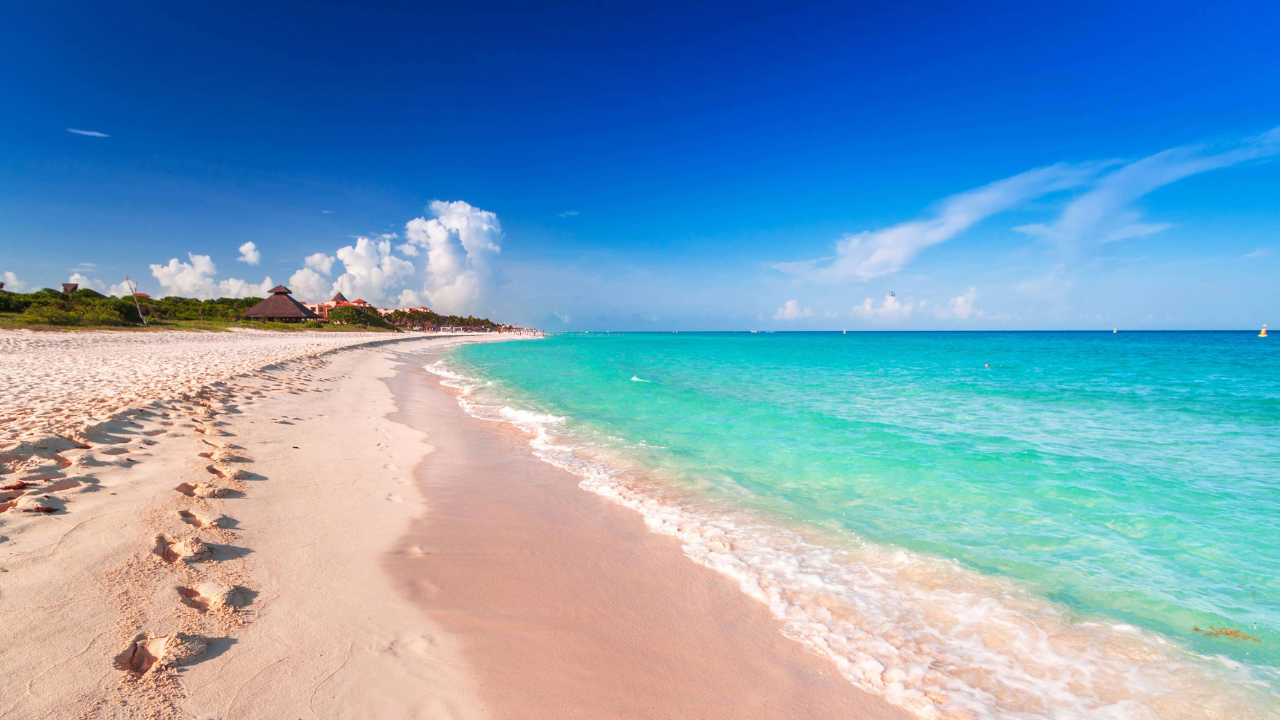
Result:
49,308
352,315
419,320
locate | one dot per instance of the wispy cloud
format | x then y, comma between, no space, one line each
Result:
1259,253
1105,214
790,310
85,267
326,212
88,133
874,253
567,213
1101,214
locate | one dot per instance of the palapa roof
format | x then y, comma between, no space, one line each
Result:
339,298
280,306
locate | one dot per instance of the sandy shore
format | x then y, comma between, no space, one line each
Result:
296,525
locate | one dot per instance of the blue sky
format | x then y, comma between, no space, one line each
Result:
658,166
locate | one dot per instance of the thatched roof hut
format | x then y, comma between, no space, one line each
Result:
280,307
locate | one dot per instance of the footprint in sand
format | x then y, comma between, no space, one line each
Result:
227,473
172,550
202,490
201,520
147,653
208,596
39,504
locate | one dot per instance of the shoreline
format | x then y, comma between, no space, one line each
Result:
565,605
922,632
289,589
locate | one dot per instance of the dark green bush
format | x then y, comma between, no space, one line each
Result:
364,317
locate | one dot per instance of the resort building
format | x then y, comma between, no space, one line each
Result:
279,307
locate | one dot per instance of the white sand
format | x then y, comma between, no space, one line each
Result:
256,593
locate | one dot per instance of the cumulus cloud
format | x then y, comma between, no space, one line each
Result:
88,133
790,310
891,309
320,262
371,272
195,279
459,241
870,254
120,289
235,288
12,283
1104,213
249,254
309,286
961,307
188,279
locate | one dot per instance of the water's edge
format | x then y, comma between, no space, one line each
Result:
924,633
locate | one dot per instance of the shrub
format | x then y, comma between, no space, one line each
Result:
350,315
101,315
13,302
48,315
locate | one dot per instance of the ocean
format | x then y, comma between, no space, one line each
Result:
972,525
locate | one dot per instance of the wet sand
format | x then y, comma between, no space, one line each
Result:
565,606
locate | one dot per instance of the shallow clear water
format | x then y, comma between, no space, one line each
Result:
1099,488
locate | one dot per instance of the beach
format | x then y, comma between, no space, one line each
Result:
245,525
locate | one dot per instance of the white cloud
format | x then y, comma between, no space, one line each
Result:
88,133
327,212
195,279
790,310
371,271
1104,214
410,299
249,254
12,283
87,282
459,242
189,279
1259,253
309,286
961,307
120,289
320,262
870,254
891,309
564,317
236,288
85,267
568,213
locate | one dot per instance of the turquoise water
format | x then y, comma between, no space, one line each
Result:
1126,480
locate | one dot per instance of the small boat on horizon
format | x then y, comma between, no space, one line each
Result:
1264,331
